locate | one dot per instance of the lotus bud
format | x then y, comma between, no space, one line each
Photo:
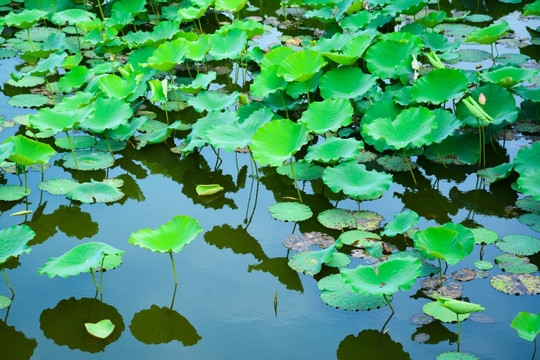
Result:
244,99
482,99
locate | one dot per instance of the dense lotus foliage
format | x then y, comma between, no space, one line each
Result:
354,110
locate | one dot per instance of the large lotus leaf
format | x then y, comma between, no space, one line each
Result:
28,152
28,100
527,325
508,76
459,307
357,182
335,292
412,127
396,66
378,110
52,119
532,9
327,115
77,142
334,149
197,138
401,223
95,192
212,101
230,5
441,313
228,46
172,236
519,244
340,219
290,211
116,87
168,55
484,236
27,81
275,56
515,265
529,204
267,83
13,241
45,66
88,160
527,158
301,65
109,113
58,186
81,259
162,325
459,149
441,243
201,81
496,173
352,50
24,19
303,171
311,262
346,82
13,192
385,278
72,16
129,6
439,86
500,105
516,284
73,79
490,34
277,141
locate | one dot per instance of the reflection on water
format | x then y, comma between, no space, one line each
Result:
437,333
371,344
237,239
14,345
279,268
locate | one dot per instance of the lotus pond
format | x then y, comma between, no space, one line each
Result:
224,179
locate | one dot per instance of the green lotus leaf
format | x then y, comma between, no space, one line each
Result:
58,186
230,5
8,53
267,83
251,27
88,160
519,244
56,120
340,219
412,127
24,19
101,329
290,211
532,9
346,83
515,264
311,262
201,81
296,89
116,87
438,43
198,138
352,50
335,292
397,66
500,172
488,35
77,142
459,307
531,220
527,325
27,81
516,284
455,355
159,90
527,158
95,192
304,171
401,223
441,313
168,55
228,46
395,163
528,204
13,241
112,145
212,101
171,237
379,110
442,243
73,79
508,76
473,55
483,265
327,115
45,66
4,302
28,100
391,276
301,65
356,21
275,57
440,86
109,113
356,182
334,149
129,6
277,141
432,19
13,192
459,149
484,236
210,189
72,16
81,259
28,152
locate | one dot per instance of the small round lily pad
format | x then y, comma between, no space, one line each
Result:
519,244
58,186
484,236
115,145
454,355
394,163
439,312
516,284
78,142
345,219
473,55
515,264
336,293
531,220
88,160
28,100
305,241
95,191
290,211
464,275
432,288
528,204
13,192
4,302
354,237
421,319
483,265
481,318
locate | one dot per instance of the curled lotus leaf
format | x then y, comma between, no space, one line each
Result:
440,86
490,34
346,83
311,262
356,237
449,243
500,172
301,65
228,46
109,113
95,192
212,101
401,223
397,66
24,19
168,55
484,236
529,184
516,284
101,329
88,160
459,307
441,313
508,76
519,244
13,241
527,325
4,302
334,149
28,152
327,115
290,211
230,5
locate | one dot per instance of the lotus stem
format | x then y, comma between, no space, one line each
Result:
173,296
174,88
42,173
100,10
78,39
200,26
275,303
409,165
108,145
227,74
388,302
458,332
101,278
166,112
174,269
95,282
439,156
7,282
188,71
30,40
197,64
53,6
296,182
440,272
72,151
483,142
25,181
50,90
217,20
284,105
307,92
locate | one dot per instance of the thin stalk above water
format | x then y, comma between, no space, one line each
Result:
296,182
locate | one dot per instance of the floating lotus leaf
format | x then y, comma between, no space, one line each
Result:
531,220
327,115
484,236
4,302
95,192
168,55
212,101
311,262
488,35
88,160
357,237
528,204
519,244
346,83
529,184
301,65
459,149
28,152
397,66
109,113
24,19
8,53
527,158
304,171
28,100
228,46
453,355
527,325
439,86
500,172
441,313
401,223
500,105
290,211
473,55
277,141
201,81
27,81
78,142
508,76
483,265
395,163
72,16
307,240
345,219
356,182
81,259
392,275
13,241
334,149
335,292
517,284
13,192
448,243
459,307
203,190
58,186
515,264
463,275
171,237
101,329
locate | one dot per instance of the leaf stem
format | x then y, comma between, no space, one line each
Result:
108,145
30,40
72,151
174,269
388,302
94,277
440,271
7,282
458,332
296,182
409,165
